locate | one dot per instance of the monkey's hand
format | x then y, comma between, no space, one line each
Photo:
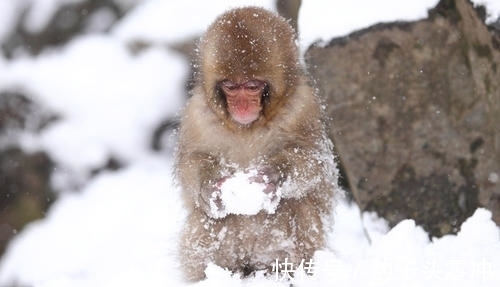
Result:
268,176
271,178
211,198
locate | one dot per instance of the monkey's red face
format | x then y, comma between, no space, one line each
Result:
244,99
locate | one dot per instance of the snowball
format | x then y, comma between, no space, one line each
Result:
240,194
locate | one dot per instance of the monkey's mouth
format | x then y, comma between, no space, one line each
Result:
245,118
244,109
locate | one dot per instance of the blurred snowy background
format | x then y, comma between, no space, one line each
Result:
100,98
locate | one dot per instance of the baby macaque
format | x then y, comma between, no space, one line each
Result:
255,166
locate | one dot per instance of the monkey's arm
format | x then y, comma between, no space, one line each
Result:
303,168
201,176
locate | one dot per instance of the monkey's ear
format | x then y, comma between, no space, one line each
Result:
250,43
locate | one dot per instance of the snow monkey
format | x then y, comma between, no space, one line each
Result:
252,113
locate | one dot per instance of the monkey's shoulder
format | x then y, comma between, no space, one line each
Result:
301,113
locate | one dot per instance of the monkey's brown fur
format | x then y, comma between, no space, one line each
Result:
289,138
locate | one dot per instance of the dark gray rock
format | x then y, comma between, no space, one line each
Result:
289,9
19,113
416,113
25,191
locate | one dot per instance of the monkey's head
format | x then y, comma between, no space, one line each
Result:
248,65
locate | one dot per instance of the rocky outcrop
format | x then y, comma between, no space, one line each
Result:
25,191
19,113
416,113
70,20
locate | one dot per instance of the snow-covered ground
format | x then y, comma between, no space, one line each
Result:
121,228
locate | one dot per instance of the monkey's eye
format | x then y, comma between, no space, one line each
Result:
229,86
252,87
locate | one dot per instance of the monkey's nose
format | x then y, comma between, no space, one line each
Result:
242,103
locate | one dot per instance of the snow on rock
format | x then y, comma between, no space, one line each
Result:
103,235
374,226
492,9
405,256
42,11
9,11
110,101
240,194
480,228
